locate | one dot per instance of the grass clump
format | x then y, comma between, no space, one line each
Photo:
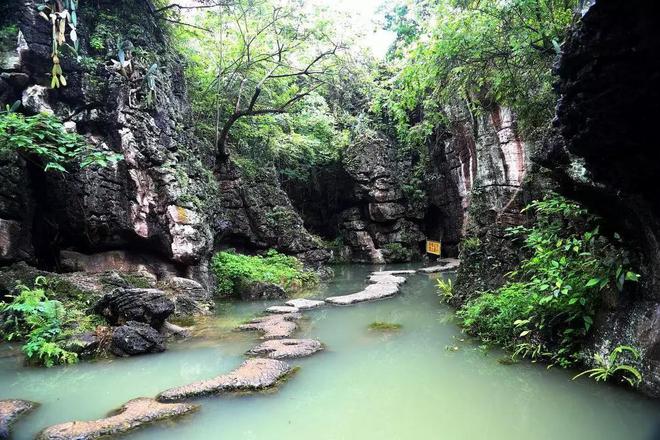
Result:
547,307
384,326
43,324
234,270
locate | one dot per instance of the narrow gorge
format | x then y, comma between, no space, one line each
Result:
219,217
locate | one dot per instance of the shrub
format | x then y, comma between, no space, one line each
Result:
397,253
39,321
446,288
233,270
547,306
44,136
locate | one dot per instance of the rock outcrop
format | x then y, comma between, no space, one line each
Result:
132,415
163,207
10,411
150,306
253,375
603,153
385,224
135,338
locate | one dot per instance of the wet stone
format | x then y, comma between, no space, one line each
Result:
304,304
286,348
253,375
282,309
132,415
275,326
447,265
10,411
372,292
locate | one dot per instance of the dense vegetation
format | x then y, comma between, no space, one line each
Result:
44,325
234,271
547,306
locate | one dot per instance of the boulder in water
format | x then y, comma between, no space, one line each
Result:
135,338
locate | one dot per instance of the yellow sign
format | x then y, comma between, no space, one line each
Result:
433,247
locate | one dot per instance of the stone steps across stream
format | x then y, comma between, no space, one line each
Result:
131,415
255,374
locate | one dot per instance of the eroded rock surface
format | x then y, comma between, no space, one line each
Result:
10,411
286,348
304,304
132,415
274,326
135,338
252,375
151,306
259,291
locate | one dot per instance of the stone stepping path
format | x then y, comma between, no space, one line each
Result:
253,375
286,348
384,284
133,414
275,326
10,411
304,304
282,309
447,265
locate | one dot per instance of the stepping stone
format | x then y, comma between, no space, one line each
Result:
274,326
375,278
447,264
286,348
372,292
133,414
10,411
253,375
395,272
282,309
304,303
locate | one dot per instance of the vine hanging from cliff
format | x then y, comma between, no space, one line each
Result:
62,14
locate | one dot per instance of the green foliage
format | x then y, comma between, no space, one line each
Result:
8,37
610,366
446,288
43,136
473,53
396,252
385,326
39,321
233,270
548,305
470,243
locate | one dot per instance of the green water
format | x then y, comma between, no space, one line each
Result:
367,385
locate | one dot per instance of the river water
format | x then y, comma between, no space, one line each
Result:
425,381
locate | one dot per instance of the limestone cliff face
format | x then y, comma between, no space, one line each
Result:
477,159
604,154
384,223
166,205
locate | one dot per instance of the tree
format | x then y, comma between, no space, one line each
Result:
258,59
